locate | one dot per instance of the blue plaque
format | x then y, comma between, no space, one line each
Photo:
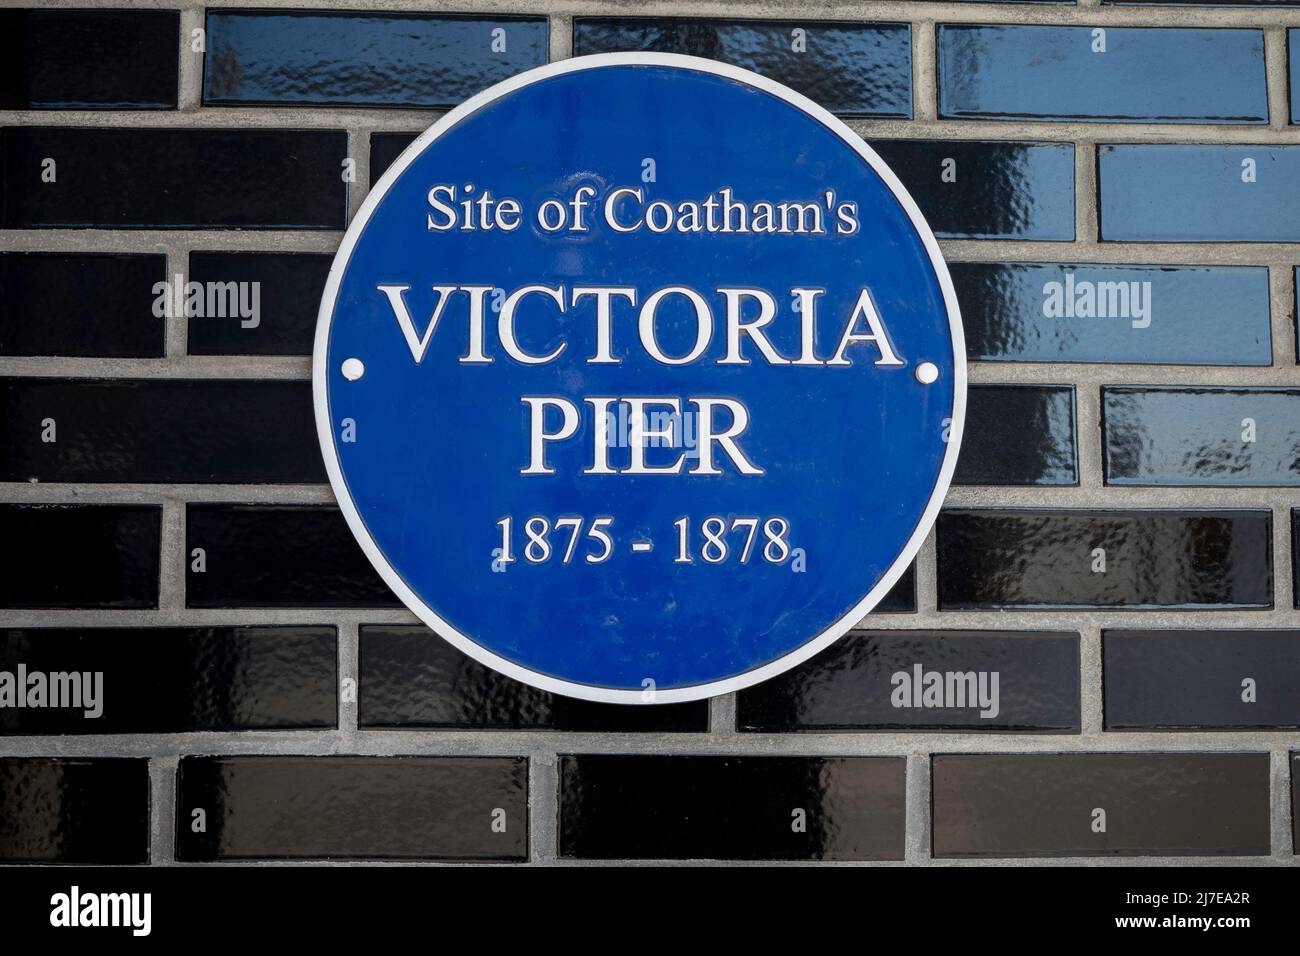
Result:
639,378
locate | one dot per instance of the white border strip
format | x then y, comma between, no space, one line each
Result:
481,654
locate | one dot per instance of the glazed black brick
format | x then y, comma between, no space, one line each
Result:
1201,436
89,59
901,598
855,69
925,680
288,288
1093,312
394,808
384,150
158,430
168,679
277,556
1028,559
1019,435
173,178
80,556
739,808
1171,680
285,57
987,190
81,304
1059,73
62,810
411,678
1026,805
1001,190
1178,193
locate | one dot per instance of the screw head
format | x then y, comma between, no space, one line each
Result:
927,373
353,369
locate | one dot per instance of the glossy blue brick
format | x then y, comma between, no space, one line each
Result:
1293,61
1164,193
854,69
358,59
1201,436
1056,73
1148,315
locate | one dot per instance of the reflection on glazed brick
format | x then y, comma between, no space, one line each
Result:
1181,679
71,810
393,808
1201,436
412,678
925,680
410,60
1101,74
741,808
157,430
89,59
81,304
1021,435
277,556
1177,193
130,680
1025,805
854,69
80,556
287,179
1022,558
987,190
1173,315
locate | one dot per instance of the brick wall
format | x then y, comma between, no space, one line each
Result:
1119,546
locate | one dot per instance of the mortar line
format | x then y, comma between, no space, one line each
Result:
1087,200
1091,682
925,72
1283,591
1280,807
1282,313
176,322
927,576
1089,436
1275,75
546,744
543,807
560,37
917,837
162,809
413,120
189,97
359,152
173,558
349,668
885,11
722,716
